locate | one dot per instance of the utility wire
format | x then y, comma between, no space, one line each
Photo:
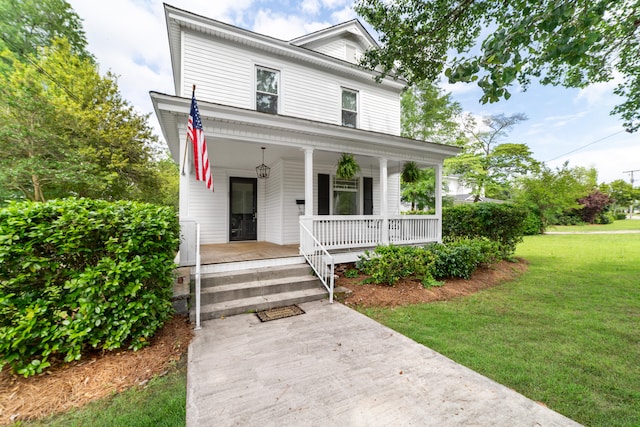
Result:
584,146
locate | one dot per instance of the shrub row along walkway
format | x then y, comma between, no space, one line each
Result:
335,366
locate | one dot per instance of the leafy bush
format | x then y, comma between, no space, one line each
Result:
352,273
620,216
78,274
533,224
388,264
502,223
605,218
460,258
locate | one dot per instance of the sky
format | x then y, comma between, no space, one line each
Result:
129,38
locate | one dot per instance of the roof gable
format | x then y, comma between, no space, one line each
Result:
352,31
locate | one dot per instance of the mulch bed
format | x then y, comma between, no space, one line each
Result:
411,291
95,376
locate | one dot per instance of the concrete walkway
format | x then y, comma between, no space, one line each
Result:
333,366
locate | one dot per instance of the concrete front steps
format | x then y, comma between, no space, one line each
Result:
249,290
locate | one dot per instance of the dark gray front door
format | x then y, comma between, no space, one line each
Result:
242,209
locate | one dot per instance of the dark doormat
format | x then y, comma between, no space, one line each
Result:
279,313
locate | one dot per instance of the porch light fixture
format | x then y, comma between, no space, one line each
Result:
263,170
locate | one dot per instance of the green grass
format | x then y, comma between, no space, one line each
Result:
624,224
162,402
567,333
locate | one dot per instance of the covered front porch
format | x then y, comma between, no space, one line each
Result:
302,205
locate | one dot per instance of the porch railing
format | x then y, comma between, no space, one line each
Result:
318,257
352,231
413,229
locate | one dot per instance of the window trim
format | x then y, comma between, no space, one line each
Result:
278,95
342,109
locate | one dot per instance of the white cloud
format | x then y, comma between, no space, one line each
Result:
334,4
311,7
563,120
284,27
460,88
609,161
600,93
343,15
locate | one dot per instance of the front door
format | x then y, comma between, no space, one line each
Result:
242,209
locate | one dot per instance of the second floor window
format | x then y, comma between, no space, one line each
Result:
267,90
349,108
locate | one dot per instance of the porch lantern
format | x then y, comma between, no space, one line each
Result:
263,170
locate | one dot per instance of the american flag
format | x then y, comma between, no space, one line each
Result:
196,135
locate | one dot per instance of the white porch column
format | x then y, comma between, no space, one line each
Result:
308,181
384,208
439,199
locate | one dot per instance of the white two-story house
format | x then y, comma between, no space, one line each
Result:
305,101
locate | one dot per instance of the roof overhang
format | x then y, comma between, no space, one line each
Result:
237,124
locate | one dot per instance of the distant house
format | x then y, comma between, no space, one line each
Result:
306,101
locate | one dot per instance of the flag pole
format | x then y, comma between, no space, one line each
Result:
186,142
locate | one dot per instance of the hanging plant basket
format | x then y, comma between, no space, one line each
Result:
347,167
410,172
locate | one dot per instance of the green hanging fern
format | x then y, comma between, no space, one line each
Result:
410,172
347,167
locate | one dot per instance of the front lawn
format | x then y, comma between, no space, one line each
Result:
567,333
160,403
623,224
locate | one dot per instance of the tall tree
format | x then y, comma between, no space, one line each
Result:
27,25
560,42
550,193
487,165
623,194
65,130
429,114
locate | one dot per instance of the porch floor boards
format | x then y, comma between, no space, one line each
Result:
245,251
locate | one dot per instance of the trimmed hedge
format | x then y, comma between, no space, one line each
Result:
460,258
77,274
502,223
388,264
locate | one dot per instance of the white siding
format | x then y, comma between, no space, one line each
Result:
225,74
335,48
293,189
222,74
273,206
209,209
380,111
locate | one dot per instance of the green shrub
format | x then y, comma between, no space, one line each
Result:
78,274
502,223
620,216
460,258
352,273
605,218
532,224
388,264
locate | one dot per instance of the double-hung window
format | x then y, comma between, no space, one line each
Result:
267,82
346,196
349,108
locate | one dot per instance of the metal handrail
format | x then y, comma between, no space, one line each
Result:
317,257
